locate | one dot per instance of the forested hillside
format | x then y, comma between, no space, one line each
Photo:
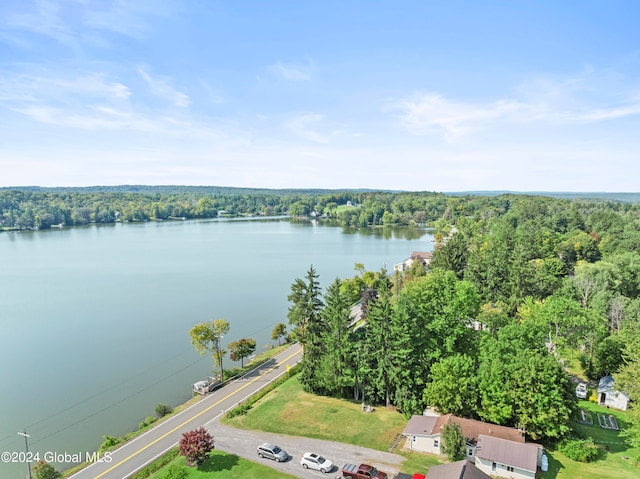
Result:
517,285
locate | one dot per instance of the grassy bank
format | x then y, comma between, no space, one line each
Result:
290,410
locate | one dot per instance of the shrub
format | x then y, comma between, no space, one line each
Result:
109,441
146,422
174,471
162,410
156,465
581,450
240,410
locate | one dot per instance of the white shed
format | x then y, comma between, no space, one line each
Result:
611,397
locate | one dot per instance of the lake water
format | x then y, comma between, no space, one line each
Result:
94,320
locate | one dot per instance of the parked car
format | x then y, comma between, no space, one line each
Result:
363,471
271,451
311,460
581,391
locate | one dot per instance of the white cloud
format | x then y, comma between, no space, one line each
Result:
291,72
44,19
586,98
161,88
300,125
432,113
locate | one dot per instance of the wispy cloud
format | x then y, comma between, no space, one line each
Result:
302,125
292,72
43,19
578,100
76,23
432,113
160,87
97,101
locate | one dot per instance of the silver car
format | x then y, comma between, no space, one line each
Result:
311,460
271,451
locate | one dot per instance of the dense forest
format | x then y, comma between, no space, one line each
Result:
518,286
32,208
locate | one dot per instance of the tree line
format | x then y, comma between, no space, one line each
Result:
516,286
42,208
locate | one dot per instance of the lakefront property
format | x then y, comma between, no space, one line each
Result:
496,450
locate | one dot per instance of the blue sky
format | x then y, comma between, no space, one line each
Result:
411,95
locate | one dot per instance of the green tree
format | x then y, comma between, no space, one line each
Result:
336,338
452,256
306,299
44,470
243,348
437,312
279,331
207,337
454,444
628,380
453,386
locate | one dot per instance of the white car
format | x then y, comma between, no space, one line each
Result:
581,391
311,460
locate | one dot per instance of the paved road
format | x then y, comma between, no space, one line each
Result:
139,452
243,443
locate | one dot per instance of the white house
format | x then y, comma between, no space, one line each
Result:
504,458
423,256
496,450
611,397
456,470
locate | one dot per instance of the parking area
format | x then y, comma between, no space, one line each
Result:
244,443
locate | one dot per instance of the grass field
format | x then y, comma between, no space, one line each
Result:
610,464
221,465
290,410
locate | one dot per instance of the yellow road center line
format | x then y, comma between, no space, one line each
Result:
193,417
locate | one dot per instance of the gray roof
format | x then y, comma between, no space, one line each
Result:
606,384
456,470
421,426
510,453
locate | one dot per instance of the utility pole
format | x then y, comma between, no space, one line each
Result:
26,446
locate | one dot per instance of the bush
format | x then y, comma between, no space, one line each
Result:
146,422
240,410
109,441
162,410
156,465
175,471
581,450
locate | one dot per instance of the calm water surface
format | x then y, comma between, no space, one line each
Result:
94,320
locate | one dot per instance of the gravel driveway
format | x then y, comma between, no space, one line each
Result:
243,443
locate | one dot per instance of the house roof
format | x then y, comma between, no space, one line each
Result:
424,255
522,456
472,429
456,470
606,383
420,426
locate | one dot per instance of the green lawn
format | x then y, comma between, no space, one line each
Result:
226,466
419,462
290,410
610,464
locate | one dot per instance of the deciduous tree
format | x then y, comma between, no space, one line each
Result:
207,337
195,446
243,348
454,444
279,331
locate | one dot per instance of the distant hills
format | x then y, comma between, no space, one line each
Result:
626,197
